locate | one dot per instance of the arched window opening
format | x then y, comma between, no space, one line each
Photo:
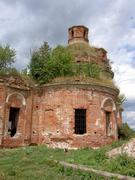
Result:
13,120
109,109
108,119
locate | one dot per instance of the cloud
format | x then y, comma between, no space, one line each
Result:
129,113
129,116
25,24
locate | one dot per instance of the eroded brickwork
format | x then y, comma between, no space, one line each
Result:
21,99
54,114
46,115
78,34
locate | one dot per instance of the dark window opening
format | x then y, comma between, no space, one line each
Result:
13,120
80,121
84,34
108,117
72,33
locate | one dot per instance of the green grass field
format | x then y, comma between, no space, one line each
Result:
38,163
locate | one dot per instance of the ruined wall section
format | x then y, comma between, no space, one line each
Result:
54,116
78,44
2,110
21,98
78,34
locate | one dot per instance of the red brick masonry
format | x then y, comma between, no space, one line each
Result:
47,115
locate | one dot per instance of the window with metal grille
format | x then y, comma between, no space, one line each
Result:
108,117
80,121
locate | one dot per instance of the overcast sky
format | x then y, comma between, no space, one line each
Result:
26,24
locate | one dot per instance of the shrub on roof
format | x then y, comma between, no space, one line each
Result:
47,64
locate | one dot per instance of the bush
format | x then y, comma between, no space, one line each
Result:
46,64
125,132
9,72
87,69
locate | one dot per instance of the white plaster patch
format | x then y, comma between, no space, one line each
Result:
19,95
64,120
97,122
90,94
58,113
66,126
61,145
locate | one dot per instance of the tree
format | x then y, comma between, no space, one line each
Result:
39,60
121,99
46,64
125,132
62,61
7,56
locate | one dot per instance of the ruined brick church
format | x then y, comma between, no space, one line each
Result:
73,112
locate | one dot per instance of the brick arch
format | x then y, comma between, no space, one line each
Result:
109,101
16,105
18,94
108,108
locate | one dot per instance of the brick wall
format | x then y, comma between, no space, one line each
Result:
2,112
15,98
47,115
54,111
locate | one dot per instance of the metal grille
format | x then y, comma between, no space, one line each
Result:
80,121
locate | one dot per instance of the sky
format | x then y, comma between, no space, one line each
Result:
26,24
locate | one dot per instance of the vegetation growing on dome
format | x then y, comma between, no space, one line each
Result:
47,64
83,49
90,54
9,71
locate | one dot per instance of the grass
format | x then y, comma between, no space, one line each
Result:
83,50
87,80
38,163
19,77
